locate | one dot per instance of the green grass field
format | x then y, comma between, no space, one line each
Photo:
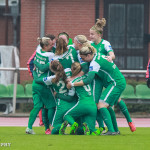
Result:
139,140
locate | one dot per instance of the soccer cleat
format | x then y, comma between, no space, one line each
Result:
63,128
109,133
97,132
86,129
101,129
29,131
48,131
132,126
118,133
41,124
74,128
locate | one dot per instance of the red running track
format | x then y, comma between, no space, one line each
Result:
19,121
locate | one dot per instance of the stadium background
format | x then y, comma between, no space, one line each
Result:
22,21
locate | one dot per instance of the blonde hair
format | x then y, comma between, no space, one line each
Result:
44,41
98,27
82,40
75,68
87,50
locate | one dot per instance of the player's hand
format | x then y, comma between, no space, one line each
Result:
54,93
148,83
69,85
109,58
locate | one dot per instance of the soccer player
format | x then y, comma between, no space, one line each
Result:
148,74
112,78
64,98
30,66
104,47
85,107
42,95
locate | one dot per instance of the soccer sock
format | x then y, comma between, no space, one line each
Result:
33,114
124,110
99,119
80,131
51,112
45,118
107,119
113,118
40,116
55,130
69,119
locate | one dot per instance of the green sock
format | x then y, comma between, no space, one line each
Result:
100,119
51,112
113,118
45,118
33,114
124,110
107,119
55,130
69,119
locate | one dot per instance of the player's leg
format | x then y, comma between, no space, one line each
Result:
113,118
125,112
40,117
34,112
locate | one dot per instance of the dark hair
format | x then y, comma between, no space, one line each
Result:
58,69
61,46
51,36
64,33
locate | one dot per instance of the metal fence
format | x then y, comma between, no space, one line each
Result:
16,71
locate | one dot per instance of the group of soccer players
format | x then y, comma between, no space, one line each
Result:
77,85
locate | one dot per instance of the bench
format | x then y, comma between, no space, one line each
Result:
23,95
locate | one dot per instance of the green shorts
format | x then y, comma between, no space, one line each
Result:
42,96
112,93
97,86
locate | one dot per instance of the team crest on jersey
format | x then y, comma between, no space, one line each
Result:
110,47
45,79
81,60
90,68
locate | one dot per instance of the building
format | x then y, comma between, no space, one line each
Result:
127,29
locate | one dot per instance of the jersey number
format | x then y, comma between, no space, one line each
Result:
61,84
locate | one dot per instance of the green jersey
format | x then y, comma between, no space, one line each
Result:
84,93
60,86
103,47
43,57
105,70
67,58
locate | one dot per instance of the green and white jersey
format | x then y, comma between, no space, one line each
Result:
104,47
43,57
84,93
60,87
67,58
107,71
78,55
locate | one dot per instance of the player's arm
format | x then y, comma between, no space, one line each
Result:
36,78
69,97
42,67
86,81
85,67
45,81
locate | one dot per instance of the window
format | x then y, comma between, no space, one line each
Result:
127,22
